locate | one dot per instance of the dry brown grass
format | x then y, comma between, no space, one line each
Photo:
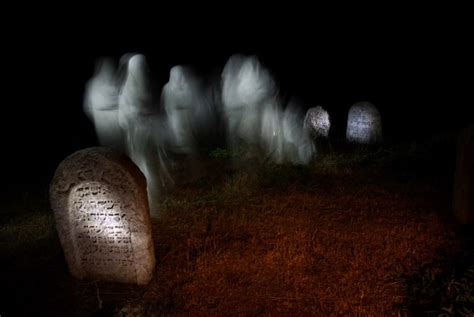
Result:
263,241
330,247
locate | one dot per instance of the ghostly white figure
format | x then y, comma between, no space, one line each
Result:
317,122
246,87
364,124
299,148
271,137
190,111
180,96
101,104
138,117
254,115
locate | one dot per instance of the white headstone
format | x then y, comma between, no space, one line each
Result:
317,122
100,205
364,124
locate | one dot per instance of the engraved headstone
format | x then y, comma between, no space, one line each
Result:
100,206
464,178
317,122
364,124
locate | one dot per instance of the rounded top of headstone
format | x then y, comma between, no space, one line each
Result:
317,122
102,216
106,164
364,124
365,109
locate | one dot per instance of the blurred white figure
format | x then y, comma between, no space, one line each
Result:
135,100
246,87
271,136
138,117
299,148
127,117
191,112
180,96
254,116
101,105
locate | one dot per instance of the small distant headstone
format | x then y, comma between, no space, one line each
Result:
464,178
100,205
317,122
364,124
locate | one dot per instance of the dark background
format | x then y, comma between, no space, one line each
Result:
411,68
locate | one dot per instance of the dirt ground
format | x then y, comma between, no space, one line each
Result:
290,242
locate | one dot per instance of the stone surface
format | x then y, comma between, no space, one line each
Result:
100,205
464,178
317,122
364,124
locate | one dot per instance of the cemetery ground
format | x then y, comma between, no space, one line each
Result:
358,232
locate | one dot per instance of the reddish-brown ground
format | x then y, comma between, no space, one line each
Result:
282,243
335,246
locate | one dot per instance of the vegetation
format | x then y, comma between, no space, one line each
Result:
347,235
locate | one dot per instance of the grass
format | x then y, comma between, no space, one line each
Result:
442,291
26,232
445,288
290,250
344,236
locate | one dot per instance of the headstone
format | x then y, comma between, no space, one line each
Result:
364,124
464,178
100,206
317,122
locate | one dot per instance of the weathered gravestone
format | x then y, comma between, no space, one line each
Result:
364,124
100,205
317,122
464,178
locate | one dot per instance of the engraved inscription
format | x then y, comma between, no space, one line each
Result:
102,230
364,124
101,211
